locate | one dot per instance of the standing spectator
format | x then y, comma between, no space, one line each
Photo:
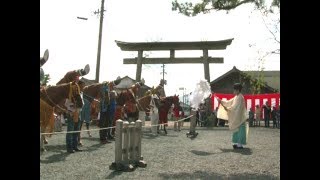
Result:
215,113
278,117
113,104
258,115
85,115
72,125
80,117
251,117
267,114
104,114
274,118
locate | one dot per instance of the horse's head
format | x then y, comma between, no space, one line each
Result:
74,75
175,100
95,90
111,84
44,58
105,90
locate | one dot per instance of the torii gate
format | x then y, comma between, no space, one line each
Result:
172,47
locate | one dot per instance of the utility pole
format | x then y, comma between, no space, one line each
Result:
183,98
163,71
99,41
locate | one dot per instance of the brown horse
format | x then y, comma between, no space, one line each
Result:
51,97
164,106
93,93
127,100
143,103
72,76
94,90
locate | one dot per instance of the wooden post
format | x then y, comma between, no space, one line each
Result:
131,141
138,140
118,142
139,65
171,53
126,152
206,65
125,142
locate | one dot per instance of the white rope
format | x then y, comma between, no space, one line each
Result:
98,129
65,132
168,122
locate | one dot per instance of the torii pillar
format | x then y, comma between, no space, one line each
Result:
205,46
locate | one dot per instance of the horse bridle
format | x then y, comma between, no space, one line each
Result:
71,97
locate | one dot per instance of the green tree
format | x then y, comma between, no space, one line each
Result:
270,18
46,79
206,6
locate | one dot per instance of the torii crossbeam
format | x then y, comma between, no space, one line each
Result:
172,47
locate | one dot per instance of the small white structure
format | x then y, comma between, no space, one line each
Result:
128,146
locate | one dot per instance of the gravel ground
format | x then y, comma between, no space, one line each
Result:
208,156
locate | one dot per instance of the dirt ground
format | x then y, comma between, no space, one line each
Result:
174,156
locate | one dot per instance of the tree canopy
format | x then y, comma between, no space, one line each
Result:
206,6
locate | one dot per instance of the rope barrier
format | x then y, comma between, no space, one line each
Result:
98,129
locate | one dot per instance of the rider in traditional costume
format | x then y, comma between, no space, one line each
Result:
160,89
162,95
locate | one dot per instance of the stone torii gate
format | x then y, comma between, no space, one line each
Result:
172,47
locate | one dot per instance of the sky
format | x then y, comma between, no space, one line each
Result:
73,43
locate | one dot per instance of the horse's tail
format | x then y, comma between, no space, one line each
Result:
46,117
